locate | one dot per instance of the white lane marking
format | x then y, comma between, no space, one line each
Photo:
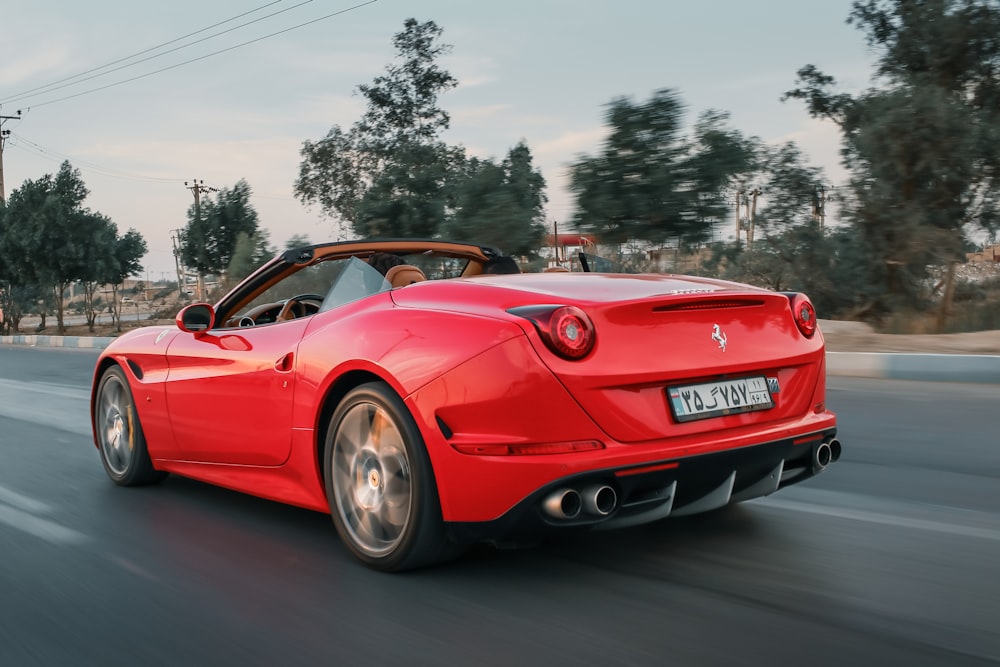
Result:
64,408
881,519
23,502
49,531
47,388
129,566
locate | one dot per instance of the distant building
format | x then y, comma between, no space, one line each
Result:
987,254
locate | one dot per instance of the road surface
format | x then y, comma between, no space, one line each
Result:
890,557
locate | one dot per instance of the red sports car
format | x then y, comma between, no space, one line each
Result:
439,405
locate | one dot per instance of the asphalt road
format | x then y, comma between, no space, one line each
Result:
890,557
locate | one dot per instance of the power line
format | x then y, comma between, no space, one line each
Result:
4,134
28,146
209,55
25,144
50,86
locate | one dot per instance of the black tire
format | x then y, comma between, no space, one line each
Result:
380,485
119,433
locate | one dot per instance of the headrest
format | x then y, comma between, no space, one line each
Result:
402,275
555,269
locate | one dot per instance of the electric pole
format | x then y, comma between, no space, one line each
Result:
739,225
3,139
756,192
198,188
175,239
820,198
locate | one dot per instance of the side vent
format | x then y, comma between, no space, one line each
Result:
136,370
445,431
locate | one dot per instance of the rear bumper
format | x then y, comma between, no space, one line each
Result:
656,490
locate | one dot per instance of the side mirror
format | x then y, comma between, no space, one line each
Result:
196,318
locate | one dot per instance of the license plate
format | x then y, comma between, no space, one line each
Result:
716,399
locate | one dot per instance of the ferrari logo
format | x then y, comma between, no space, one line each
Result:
719,337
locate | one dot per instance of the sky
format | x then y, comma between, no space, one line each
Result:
237,101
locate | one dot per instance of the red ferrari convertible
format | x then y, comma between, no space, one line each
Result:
439,405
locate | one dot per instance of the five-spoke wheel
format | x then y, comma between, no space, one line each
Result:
119,434
379,482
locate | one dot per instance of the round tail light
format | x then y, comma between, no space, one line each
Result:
570,332
566,330
804,314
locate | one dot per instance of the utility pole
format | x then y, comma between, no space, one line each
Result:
739,197
175,239
756,192
198,188
820,198
3,139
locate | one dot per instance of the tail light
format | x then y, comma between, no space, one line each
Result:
566,330
804,314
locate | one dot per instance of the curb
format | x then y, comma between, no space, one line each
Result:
978,368
39,340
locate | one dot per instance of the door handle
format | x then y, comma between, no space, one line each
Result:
284,364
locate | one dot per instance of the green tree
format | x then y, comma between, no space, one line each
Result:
922,147
501,205
57,241
251,252
654,182
387,174
98,262
129,249
210,237
297,241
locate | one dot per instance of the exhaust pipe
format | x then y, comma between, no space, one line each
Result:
599,499
834,449
563,504
822,456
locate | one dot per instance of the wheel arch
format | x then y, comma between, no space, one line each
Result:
335,393
103,364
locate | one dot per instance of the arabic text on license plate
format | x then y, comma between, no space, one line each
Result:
714,399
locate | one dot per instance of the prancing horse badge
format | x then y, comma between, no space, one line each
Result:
719,337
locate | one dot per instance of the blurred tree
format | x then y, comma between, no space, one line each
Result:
128,250
501,205
297,241
251,252
52,240
653,182
209,239
791,189
98,262
922,149
386,175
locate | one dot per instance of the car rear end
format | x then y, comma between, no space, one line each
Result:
683,395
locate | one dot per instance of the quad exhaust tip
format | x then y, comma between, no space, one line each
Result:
598,500
824,454
563,504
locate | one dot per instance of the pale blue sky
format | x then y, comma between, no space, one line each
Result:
539,71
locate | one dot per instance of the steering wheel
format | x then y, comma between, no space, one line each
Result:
294,307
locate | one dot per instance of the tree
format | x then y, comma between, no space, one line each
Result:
251,252
128,250
500,205
57,241
386,175
921,147
209,239
99,262
652,181
297,241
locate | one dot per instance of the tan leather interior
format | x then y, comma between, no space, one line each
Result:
403,275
